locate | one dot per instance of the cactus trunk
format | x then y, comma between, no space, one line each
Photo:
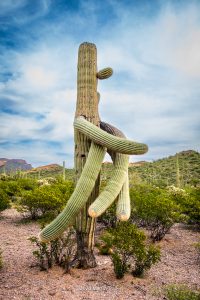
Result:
87,106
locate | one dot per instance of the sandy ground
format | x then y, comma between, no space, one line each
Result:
18,280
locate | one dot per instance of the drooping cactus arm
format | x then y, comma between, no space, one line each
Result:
123,210
112,189
123,200
79,197
105,139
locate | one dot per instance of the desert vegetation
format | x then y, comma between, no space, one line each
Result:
133,247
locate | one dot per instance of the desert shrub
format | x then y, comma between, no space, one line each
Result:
59,252
27,184
12,188
145,260
46,201
189,201
66,188
129,250
4,200
175,292
105,244
42,200
154,209
108,218
120,265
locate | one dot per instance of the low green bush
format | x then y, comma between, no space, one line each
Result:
108,218
175,292
189,200
129,250
154,209
27,184
105,244
59,252
4,200
47,199
11,188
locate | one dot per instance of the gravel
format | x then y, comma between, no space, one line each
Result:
21,279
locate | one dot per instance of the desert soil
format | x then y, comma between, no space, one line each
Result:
21,279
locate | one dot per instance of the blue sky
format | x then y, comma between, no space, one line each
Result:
153,96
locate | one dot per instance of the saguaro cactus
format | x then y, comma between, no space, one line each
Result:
87,106
63,170
91,142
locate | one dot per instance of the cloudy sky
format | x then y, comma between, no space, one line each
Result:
153,96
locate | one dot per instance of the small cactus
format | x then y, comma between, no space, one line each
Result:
63,170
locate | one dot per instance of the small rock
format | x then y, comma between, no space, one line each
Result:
52,292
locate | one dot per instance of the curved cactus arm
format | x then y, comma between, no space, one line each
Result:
79,197
107,140
113,188
123,200
123,210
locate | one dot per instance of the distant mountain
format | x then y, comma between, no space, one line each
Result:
51,170
10,165
51,167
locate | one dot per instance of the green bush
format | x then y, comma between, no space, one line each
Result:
154,209
145,260
189,200
4,200
120,265
12,188
174,292
129,250
108,218
45,199
105,246
58,252
27,184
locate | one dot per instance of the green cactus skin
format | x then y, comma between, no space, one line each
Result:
113,188
105,73
79,197
107,140
123,210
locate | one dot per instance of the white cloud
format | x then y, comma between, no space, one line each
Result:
152,95
7,6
